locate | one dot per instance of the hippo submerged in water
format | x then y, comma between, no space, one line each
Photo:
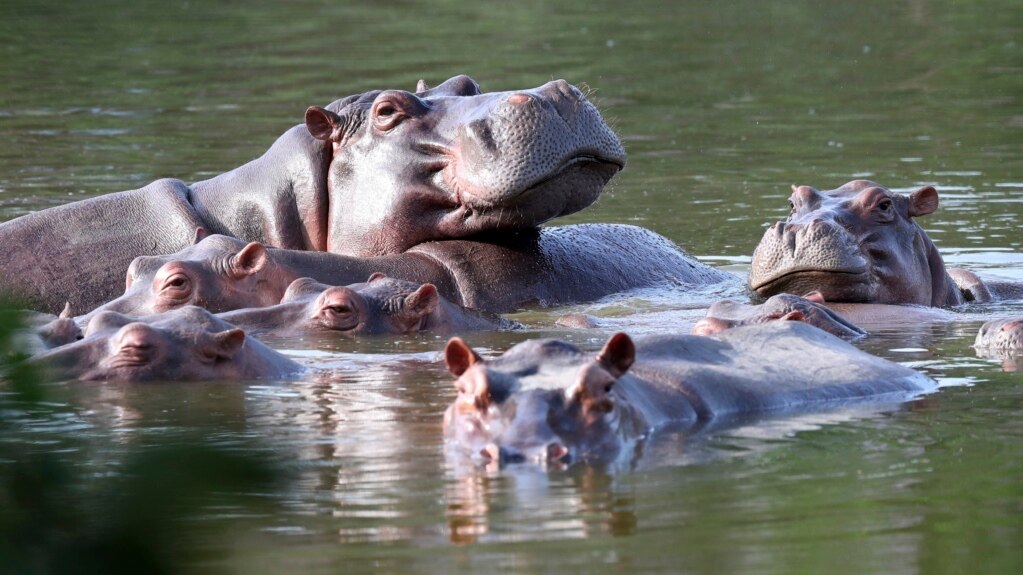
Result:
385,173
547,401
379,306
184,344
860,243
552,266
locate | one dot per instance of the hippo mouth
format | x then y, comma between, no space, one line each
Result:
835,285
574,184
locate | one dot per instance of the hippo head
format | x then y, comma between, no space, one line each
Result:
857,243
218,273
382,305
726,314
451,161
543,401
1001,334
184,344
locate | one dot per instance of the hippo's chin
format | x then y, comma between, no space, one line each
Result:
576,185
836,286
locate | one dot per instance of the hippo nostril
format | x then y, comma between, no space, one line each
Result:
519,98
492,452
557,452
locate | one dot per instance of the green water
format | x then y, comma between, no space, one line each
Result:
721,105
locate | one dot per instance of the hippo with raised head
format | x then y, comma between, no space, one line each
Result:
368,175
551,266
860,243
548,401
379,306
184,344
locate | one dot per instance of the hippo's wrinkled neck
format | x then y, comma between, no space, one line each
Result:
279,199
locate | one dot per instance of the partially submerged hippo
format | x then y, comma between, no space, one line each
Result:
379,306
727,314
183,344
545,400
552,266
45,331
860,243
1001,334
1002,339
371,174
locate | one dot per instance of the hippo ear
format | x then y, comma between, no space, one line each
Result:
423,301
618,354
323,124
225,344
421,86
200,233
376,276
459,357
66,312
711,325
923,201
251,259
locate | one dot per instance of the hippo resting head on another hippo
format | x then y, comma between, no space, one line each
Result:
367,175
547,401
451,161
184,344
858,243
379,306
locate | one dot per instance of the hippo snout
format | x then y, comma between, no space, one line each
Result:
792,257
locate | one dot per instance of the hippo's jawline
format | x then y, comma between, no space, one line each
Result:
605,168
845,279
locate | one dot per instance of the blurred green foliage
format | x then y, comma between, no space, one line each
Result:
58,516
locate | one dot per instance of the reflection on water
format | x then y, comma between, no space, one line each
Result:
721,107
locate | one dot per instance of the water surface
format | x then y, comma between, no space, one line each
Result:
721,107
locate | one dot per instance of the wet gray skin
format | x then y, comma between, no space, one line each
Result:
379,306
371,174
546,401
727,314
184,344
1004,334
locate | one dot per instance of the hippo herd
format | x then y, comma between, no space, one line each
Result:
396,212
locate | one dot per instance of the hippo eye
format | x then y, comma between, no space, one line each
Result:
884,205
176,285
387,114
339,309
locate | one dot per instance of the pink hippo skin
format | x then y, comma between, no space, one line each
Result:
546,401
184,344
379,306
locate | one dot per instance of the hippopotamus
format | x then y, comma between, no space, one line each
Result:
43,331
860,243
188,343
548,401
1002,339
1001,334
370,174
550,266
727,314
380,305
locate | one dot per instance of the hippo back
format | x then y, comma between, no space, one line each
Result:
767,367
